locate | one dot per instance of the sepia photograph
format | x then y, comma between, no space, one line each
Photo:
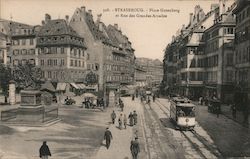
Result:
124,79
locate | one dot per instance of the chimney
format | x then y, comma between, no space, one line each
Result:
90,11
99,17
83,9
116,26
67,18
190,18
173,38
47,18
222,6
43,22
214,6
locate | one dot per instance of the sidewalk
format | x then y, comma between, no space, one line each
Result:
120,145
226,110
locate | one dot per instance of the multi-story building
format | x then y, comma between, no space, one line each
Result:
242,48
140,74
193,60
189,78
154,70
61,51
23,42
110,53
218,53
3,48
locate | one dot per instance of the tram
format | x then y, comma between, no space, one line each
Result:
182,113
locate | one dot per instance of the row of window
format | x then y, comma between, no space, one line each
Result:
23,32
77,63
207,76
52,62
243,15
51,50
116,78
23,61
242,55
60,38
212,46
242,35
243,75
62,74
116,58
115,67
23,42
24,52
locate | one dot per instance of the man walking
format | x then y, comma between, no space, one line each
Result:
113,116
120,121
135,117
135,148
131,118
108,136
44,151
125,121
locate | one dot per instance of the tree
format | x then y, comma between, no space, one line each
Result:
91,78
5,77
27,75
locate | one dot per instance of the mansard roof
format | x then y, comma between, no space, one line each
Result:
57,27
11,26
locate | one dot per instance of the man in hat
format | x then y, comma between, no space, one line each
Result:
113,116
135,148
108,137
44,151
135,117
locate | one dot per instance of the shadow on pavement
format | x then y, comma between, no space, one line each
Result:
167,123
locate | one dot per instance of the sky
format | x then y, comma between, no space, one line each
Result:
149,35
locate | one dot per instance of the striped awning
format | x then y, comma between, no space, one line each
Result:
61,86
81,86
74,85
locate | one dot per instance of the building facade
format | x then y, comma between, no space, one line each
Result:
242,50
219,55
61,51
199,60
153,71
109,51
3,48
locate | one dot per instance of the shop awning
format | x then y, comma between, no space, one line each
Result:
74,85
81,86
48,86
61,86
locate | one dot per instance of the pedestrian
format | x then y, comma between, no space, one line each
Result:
122,106
113,116
154,97
233,108
125,121
218,111
131,119
134,148
108,136
120,121
44,151
135,117
133,97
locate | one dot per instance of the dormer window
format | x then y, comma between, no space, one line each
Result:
58,30
47,31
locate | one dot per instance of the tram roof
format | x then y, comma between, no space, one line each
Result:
185,105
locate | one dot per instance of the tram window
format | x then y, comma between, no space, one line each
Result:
186,111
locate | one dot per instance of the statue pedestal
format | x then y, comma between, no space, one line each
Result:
31,114
30,109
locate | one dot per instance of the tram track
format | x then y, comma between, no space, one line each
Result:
199,143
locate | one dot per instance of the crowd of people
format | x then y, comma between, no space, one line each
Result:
121,119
